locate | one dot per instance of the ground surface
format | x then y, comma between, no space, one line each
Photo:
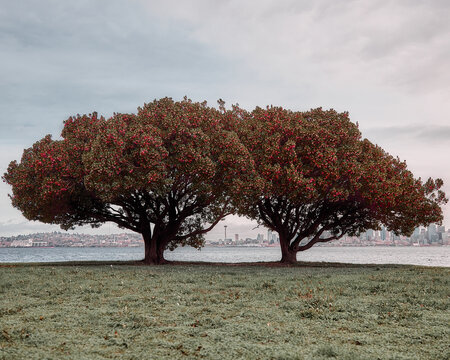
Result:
99,311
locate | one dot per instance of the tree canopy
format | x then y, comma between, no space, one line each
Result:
175,169
164,172
317,180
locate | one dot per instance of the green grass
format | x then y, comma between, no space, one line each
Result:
98,311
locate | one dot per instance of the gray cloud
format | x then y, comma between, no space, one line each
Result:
59,59
378,41
436,133
12,227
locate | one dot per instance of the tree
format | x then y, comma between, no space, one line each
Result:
317,180
164,172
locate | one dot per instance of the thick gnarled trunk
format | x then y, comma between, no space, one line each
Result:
288,256
154,251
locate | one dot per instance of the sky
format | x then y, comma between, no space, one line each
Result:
385,62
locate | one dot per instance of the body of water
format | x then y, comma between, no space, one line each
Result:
427,256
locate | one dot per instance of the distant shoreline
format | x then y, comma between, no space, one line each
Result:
226,246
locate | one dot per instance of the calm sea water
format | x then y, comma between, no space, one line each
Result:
428,256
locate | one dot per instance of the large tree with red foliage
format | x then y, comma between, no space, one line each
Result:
317,180
164,172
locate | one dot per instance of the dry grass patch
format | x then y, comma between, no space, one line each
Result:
100,311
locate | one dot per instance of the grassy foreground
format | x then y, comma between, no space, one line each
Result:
100,311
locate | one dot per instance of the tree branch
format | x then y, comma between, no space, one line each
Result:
205,230
317,239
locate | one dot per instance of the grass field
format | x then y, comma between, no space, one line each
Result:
99,311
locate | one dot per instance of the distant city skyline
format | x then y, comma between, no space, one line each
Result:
431,235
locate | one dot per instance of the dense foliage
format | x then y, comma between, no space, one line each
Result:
317,180
164,172
174,169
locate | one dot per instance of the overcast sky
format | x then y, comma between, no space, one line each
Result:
385,62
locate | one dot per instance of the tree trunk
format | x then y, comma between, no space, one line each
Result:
288,256
154,254
160,253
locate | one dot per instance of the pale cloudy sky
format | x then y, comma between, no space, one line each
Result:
385,62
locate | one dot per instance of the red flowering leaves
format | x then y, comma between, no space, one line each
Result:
316,180
174,169
165,172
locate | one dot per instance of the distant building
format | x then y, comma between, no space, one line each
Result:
432,234
260,238
22,243
39,243
383,233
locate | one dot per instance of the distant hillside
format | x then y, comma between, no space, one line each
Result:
70,240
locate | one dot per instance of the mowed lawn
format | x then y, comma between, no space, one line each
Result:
126,311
